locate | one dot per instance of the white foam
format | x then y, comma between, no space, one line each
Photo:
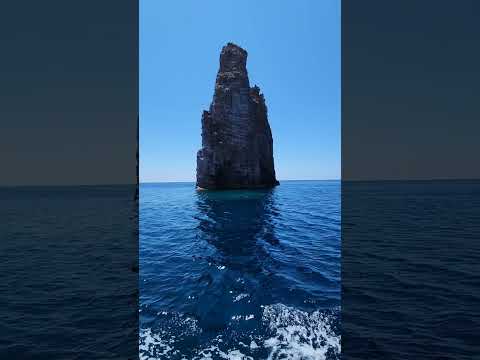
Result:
240,317
235,355
160,344
298,334
240,297
208,353
292,335
153,344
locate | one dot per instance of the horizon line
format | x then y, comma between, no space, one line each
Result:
337,179
189,181
192,181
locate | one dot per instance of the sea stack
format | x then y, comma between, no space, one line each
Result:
237,144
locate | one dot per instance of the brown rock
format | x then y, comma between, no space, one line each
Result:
237,145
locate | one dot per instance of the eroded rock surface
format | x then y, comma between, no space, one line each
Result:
237,145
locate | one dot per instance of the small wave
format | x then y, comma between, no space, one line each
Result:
240,297
300,335
283,332
230,355
162,343
152,344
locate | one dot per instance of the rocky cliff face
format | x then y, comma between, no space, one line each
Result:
237,145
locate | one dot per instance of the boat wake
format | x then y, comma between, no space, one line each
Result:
282,332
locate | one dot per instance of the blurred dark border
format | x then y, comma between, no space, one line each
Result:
69,179
410,170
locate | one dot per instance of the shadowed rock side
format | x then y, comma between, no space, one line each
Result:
237,145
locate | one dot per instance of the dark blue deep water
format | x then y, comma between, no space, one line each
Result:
411,270
240,274
68,288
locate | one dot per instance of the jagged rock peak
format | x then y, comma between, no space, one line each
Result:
233,58
237,145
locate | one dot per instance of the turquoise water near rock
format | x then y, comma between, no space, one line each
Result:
240,274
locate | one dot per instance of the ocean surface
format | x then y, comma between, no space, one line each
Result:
68,286
244,274
240,274
411,270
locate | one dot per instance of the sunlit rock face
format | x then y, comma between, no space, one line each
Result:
237,145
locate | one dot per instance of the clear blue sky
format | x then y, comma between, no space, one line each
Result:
293,56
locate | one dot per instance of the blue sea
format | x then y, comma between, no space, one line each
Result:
411,270
68,286
240,274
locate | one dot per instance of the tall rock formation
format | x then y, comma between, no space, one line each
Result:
237,145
